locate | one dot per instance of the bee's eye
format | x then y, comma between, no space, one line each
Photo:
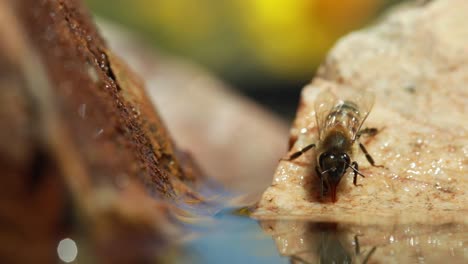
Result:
346,158
324,156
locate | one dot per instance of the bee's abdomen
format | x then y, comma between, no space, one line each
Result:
345,115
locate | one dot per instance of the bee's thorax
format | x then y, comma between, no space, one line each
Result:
337,141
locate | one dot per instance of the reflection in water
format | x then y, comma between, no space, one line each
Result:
318,242
332,246
312,242
231,237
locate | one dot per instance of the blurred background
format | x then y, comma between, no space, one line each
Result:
266,49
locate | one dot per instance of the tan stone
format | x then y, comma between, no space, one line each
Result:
415,61
414,210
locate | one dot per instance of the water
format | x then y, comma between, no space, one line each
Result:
233,238
230,235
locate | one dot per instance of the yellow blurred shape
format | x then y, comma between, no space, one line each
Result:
287,38
182,21
290,37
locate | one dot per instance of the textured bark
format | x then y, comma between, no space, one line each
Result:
81,144
234,140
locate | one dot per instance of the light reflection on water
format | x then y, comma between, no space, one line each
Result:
231,236
320,242
233,239
67,250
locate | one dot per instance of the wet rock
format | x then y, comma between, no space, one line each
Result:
414,60
305,241
414,209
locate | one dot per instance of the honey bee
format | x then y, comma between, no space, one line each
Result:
339,121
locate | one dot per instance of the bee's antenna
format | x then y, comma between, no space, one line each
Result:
325,171
354,169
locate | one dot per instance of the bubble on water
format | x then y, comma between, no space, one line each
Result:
82,111
122,180
98,133
92,73
67,250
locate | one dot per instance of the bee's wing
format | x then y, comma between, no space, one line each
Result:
327,100
324,103
364,99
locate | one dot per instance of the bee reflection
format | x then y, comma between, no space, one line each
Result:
327,243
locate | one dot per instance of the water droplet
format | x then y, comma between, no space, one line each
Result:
82,111
67,250
303,130
122,180
49,34
98,133
103,66
92,73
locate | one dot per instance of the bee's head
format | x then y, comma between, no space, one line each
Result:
334,165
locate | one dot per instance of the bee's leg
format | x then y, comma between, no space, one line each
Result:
368,156
296,259
319,174
297,154
357,249
366,259
356,169
370,131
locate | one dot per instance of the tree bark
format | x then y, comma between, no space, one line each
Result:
81,144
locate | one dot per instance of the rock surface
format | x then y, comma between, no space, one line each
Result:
416,61
413,210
